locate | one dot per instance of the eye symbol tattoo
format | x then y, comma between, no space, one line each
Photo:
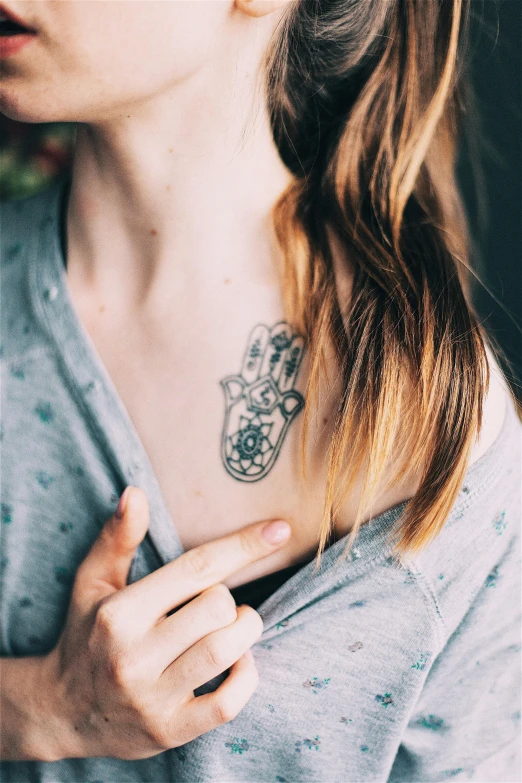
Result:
261,402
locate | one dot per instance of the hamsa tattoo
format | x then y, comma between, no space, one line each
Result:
261,402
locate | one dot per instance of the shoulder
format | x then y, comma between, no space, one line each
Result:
20,216
22,221
478,548
489,496
495,406
26,235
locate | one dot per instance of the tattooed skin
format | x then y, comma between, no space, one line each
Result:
261,402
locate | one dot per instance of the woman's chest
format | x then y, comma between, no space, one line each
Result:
220,418
216,395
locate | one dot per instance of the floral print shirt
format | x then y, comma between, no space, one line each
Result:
371,669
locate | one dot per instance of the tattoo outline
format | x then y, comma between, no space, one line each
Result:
261,402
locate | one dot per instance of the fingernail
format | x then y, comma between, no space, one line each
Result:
122,503
276,532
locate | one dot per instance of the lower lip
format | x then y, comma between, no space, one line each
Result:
11,44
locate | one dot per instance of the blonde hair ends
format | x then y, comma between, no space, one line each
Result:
365,100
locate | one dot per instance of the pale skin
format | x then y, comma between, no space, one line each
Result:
121,680
170,262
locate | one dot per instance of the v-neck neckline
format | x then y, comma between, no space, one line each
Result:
114,430
93,386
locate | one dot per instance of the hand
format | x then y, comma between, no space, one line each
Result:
124,670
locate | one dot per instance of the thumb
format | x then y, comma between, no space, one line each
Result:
106,567
293,402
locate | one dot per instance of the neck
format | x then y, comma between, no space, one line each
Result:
176,189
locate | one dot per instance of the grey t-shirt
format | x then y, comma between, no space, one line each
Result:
371,669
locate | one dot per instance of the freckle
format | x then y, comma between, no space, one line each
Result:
154,232
227,281
170,150
197,493
325,421
101,309
168,188
105,718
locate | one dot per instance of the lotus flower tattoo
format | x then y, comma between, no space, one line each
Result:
261,402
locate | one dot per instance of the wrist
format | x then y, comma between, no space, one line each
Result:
61,738
32,728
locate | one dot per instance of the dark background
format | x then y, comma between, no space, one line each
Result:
496,212
31,154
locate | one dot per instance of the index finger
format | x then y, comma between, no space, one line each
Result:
194,571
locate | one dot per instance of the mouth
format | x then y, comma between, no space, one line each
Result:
11,25
7,27
15,35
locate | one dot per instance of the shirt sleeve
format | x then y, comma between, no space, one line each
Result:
466,722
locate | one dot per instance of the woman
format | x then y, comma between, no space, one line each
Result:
251,304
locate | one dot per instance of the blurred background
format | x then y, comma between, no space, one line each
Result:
31,155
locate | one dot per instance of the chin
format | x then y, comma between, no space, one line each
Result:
20,113
18,105
20,116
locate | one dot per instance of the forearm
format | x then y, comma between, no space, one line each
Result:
29,729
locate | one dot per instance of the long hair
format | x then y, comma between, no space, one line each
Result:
365,99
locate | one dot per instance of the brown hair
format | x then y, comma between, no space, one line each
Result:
365,99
